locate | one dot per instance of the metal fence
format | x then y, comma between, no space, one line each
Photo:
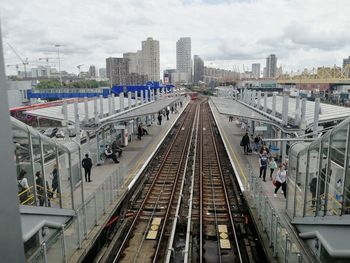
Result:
284,249
61,245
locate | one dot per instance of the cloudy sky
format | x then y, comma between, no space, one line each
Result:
225,33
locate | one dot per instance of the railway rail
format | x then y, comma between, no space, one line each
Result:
142,243
188,206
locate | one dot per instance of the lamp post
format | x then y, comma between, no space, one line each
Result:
59,62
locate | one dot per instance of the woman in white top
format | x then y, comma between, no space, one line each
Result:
22,186
281,178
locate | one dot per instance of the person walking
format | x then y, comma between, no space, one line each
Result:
263,160
272,166
281,178
87,165
245,143
160,118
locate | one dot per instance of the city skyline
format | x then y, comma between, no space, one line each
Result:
88,37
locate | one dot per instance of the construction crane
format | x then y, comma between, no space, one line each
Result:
24,61
47,59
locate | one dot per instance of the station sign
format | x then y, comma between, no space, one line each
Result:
260,128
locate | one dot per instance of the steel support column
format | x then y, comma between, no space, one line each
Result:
11,243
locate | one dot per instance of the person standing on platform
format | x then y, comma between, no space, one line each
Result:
281,178
40,188
139,131
256,143
313,187
263,160
272,166
87,165
167,111
54,183
245,143
159,118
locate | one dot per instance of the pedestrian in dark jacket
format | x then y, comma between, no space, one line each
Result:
87,164
160,118
313,187
54,184
167,113
39,181
245,143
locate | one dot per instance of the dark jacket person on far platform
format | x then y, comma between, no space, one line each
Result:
245,143
87,164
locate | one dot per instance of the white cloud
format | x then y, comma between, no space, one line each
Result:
225,32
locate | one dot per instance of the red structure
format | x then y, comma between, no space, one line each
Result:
193,95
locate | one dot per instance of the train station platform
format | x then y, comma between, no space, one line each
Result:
279,238
112,181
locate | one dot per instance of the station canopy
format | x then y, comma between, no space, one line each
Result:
236,109
56,112
328,112
147,109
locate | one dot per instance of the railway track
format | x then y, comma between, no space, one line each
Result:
142,243
217,235
187,207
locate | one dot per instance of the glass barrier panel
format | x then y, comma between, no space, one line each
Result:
64,176
51,175
76,179
90,210
334,180
291,181
38,257
81,224
281,242
38,172
321,183
269,219
55,249
71,238
99,202
311,183
24,168
300,184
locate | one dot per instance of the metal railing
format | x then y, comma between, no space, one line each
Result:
284,249
61,246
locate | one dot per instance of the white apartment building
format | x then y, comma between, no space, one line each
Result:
183,57
151,59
